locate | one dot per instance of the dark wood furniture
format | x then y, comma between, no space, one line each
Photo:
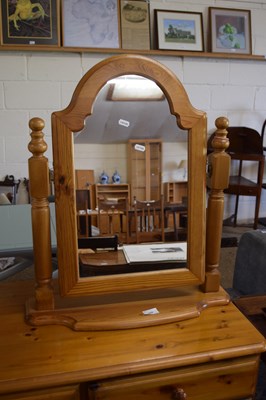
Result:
254,308
245,147
96,242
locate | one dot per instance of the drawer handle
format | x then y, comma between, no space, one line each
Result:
179,394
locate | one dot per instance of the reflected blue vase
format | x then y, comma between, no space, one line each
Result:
116,178
104,178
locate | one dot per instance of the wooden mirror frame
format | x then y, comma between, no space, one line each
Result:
70,120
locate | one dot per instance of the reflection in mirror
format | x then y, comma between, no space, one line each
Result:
131,148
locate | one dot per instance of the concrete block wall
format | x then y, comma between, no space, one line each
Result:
38,83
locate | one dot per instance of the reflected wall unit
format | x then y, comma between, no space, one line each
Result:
175,192
145,168
113,191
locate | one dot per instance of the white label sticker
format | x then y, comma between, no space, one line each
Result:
151,311
139,147
123,122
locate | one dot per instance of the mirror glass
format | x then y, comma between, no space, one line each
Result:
128,108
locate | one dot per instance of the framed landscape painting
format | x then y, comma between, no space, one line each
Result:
30,23
179,30
230,30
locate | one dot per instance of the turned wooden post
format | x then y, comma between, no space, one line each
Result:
40,213
217,181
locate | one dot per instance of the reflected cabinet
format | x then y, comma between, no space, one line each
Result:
145,168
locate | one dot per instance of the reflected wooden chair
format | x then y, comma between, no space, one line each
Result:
113,218
246,151
82,205
149,220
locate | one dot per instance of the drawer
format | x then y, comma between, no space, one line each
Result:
59,393
224,380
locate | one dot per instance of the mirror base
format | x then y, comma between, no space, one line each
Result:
187,303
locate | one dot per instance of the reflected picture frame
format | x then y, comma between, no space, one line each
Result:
38,26
179,30
230,30
90,24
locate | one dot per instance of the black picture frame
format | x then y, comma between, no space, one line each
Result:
39,26
179,30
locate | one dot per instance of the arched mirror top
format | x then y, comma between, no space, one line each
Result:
72,119
81,104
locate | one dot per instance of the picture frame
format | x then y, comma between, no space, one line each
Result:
90,24
135,24
179,30
230,30
38,26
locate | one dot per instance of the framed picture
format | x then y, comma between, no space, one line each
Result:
178,30
32,23
230,30
135,24
90,23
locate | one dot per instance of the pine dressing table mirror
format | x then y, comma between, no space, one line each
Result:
117,301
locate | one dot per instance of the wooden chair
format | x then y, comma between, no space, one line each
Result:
149,220
113,218
82,205
245,147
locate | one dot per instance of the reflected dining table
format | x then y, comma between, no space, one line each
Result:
110,262
174,209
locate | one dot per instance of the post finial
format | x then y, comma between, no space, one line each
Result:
220,141
37,145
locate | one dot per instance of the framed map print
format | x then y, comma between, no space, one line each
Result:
90,23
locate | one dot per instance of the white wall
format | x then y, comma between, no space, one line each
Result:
36,84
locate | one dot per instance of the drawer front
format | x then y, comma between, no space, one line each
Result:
61,393
234,379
